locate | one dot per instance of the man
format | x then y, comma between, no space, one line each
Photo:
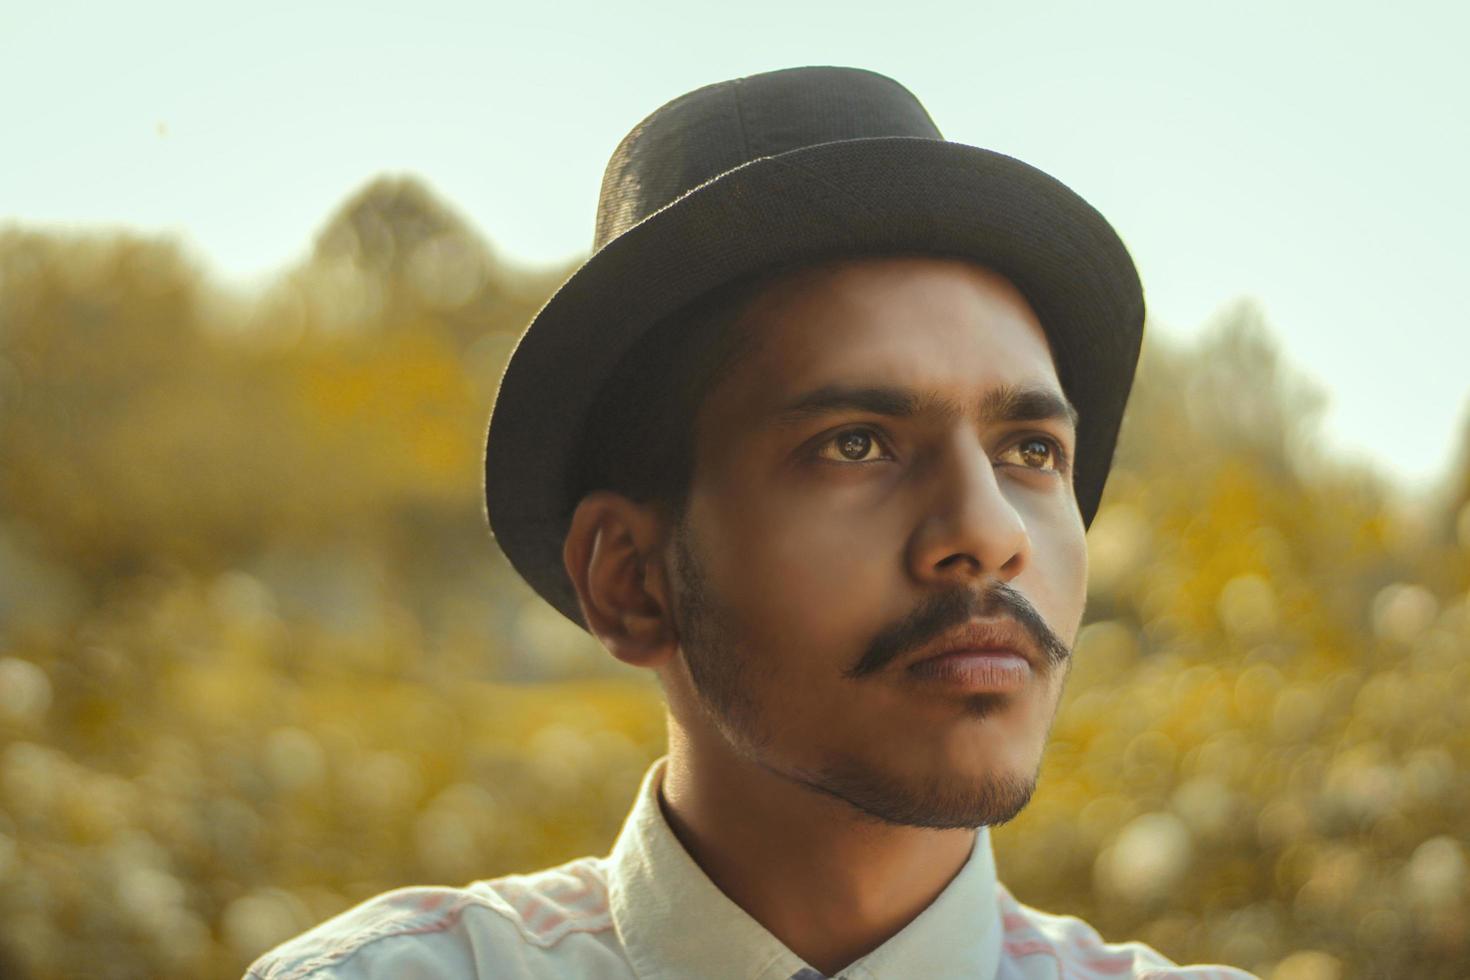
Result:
815,436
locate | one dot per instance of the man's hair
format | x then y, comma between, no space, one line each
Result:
639,436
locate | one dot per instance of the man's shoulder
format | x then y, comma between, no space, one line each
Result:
1077,949
503,922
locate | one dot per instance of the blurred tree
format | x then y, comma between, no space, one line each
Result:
106,347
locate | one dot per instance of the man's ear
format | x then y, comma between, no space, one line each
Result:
613,555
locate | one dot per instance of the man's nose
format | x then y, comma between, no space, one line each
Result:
968,529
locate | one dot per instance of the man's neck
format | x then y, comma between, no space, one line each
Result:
829,883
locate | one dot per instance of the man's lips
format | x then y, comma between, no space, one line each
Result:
974,672
982,636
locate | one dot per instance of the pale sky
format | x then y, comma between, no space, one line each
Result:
1313,156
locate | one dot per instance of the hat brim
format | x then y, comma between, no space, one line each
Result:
898,195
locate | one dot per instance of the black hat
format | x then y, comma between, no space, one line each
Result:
774,170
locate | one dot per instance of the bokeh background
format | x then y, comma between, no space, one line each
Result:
259,659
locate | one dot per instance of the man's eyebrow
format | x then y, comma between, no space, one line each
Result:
1007,403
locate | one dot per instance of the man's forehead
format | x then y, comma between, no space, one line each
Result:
899,336
1032,400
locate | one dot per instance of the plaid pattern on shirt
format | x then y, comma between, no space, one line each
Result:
647,912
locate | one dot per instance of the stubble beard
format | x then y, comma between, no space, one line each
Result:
721,678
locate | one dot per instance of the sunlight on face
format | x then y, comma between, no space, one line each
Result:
889,462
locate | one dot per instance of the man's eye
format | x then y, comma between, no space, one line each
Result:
862,445
851,446
1038,449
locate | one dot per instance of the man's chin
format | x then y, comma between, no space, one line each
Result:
947,803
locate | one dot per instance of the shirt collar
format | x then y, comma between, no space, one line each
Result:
675,923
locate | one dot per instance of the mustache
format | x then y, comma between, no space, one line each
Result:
944,611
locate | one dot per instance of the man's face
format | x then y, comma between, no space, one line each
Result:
824,546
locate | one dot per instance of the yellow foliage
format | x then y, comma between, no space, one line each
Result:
259,659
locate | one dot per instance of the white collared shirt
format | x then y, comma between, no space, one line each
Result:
648,912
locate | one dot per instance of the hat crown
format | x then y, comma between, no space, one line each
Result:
719,127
